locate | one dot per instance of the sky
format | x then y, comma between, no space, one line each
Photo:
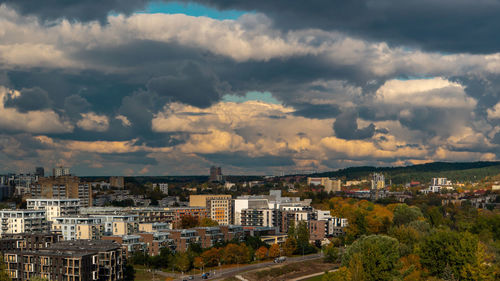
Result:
138,87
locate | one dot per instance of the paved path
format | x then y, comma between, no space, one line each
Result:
311,275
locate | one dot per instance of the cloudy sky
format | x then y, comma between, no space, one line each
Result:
134,87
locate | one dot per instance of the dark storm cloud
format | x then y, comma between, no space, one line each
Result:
192,85
29,99
74,105
83,10
445,25
130,158
346,127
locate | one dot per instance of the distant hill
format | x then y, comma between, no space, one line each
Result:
461,171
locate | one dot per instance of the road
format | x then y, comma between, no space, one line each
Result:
229,272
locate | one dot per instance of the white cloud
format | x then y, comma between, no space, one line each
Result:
124,120
93,122
435,92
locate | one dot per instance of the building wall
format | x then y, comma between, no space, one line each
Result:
201,200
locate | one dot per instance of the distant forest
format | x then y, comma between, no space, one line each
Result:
460,171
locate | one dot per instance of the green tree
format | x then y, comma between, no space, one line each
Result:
378,257
404,214
4,275
291,230
128,273
182,262
208,222
331,253
302,235
342,274
446,248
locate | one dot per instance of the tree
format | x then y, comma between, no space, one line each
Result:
261,253
182,262
291,230
302,235
376,255
357,271
4,275
342,274
188,222
211,257
198,263
234,253
290,246
404,214
128,273
481,269
274,251
208,222
331,253
446,248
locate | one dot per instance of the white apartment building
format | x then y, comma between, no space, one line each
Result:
71,227
55,207
60,171
119,224
19,221
163,187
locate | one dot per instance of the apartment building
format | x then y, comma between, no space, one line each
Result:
20,221
63,187
62,261
79,227
154,227
202,200
209,236
28,241
330,185
220,210
129,243
156,241
55,207
183,238
119,224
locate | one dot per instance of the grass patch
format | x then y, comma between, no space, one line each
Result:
278,271
315,278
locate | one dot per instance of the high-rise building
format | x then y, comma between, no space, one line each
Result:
63,187
215,174
163,187
40,172
219,206
118,182
60,171
378,181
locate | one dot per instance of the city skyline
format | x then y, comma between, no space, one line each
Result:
169,88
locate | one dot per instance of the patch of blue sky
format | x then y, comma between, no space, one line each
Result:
257,96
191,9
414,77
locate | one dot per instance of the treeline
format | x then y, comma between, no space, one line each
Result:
419,242
466,171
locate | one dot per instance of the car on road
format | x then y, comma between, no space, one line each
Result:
280,260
